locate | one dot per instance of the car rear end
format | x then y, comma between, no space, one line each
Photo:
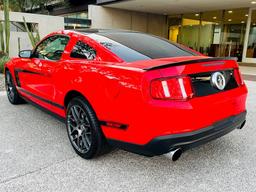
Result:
184,106
180,99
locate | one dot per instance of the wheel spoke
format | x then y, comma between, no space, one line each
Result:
88,133
78,141
87,139
73,131
71,123
77,112
86,126
8,79
11,94
74,114
87,121
74,138
86,143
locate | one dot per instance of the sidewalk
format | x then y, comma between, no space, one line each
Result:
249,73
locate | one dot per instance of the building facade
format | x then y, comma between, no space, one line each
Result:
19,39
213,27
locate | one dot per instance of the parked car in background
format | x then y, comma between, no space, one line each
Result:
127,89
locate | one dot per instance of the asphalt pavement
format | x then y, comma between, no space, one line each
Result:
35,155
2,86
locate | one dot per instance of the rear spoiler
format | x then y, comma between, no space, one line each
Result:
193,61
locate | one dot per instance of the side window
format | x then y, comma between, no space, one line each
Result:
51,48
83,51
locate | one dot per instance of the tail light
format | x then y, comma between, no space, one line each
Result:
238,77
173,88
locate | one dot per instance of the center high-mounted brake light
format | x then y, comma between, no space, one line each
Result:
175,88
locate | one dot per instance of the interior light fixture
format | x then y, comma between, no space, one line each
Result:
197,14
230,11
229,20
242,21
253,2
246,15
214,17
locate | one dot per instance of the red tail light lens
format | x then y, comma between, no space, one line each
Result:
238,77
176,88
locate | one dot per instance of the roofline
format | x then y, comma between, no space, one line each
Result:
105,2
98,30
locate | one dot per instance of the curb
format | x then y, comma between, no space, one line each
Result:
249,77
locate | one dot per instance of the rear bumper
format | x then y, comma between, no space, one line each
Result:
165,144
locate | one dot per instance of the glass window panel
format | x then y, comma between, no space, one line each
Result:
174,28
233,32
251,49
83,51
210,33
190,30
51,48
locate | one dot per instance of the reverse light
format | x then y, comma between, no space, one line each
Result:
173,88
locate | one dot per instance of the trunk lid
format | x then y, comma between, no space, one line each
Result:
206,73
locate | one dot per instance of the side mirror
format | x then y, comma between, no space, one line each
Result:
25,54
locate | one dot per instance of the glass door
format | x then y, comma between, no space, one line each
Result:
190,31
250,53
233,33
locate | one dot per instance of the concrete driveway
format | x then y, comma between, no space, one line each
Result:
35,155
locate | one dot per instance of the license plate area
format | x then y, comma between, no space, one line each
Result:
202,85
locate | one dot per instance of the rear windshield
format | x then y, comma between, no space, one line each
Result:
138,46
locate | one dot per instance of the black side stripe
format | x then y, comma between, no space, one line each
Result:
41,99
27,71
17,71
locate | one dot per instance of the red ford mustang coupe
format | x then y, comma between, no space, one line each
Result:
131,90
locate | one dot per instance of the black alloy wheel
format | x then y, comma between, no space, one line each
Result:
83,129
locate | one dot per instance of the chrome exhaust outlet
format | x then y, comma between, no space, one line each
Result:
175,154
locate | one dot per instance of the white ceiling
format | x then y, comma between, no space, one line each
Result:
171,7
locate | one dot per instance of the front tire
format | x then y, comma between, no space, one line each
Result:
12,93
83,129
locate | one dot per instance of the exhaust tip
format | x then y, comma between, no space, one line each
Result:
242,125
175,154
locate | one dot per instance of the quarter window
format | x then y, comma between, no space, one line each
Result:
51,48
83,51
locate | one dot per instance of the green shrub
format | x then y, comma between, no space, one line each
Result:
3,60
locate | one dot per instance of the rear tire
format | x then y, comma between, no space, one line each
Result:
12,93
84,130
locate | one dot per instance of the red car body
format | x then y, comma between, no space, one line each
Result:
132,115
